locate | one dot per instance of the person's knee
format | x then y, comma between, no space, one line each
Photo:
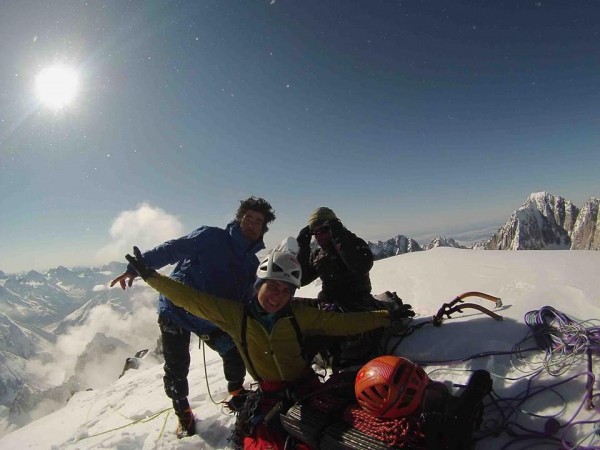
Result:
176,388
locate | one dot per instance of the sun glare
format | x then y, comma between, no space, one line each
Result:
56,86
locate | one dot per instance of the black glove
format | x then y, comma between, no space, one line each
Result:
304,237
237,402
398,317
399,320
138,264
334,225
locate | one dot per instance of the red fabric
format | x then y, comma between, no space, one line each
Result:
307,383
273,386
266,438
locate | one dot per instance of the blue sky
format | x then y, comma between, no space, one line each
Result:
404,117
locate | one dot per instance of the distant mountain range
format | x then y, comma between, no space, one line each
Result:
37,309
543,222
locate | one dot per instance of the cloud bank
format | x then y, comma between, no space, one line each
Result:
146,226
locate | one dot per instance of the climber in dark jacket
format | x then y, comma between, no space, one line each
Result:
342,261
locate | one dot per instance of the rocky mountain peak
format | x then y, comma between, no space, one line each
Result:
395,246
441,241
544,221
586,231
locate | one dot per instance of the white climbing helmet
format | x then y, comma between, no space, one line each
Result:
281,264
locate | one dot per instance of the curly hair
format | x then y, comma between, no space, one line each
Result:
259,205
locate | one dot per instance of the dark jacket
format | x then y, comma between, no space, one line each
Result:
217,261
343,268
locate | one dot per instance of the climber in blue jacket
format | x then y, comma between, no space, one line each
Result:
217,261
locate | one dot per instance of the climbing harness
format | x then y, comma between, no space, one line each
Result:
246,419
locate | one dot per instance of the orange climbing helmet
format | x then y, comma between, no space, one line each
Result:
390,386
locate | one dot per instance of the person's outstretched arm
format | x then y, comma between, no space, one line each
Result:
224,313
169,252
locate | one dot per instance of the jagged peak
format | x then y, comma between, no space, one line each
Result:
540,199
397,238
591,206
443,241
542,195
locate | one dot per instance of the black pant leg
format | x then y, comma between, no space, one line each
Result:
176,351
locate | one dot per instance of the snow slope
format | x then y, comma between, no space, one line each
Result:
133,412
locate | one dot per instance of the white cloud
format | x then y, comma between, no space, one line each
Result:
136,331
146,226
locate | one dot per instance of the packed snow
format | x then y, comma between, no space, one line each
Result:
133,412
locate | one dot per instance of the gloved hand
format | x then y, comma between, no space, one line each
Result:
138,264
334,225
398,317
304,237
237,402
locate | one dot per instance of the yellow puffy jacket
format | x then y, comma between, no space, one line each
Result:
275,356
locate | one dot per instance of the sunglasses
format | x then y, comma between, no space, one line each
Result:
320,230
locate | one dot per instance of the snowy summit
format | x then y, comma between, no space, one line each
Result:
534,388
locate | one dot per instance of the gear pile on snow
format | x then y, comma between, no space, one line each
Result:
331,418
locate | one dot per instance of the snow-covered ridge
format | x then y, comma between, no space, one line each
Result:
133,411
38,310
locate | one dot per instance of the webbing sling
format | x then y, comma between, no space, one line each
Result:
295,324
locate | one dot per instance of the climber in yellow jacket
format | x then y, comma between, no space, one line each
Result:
272,341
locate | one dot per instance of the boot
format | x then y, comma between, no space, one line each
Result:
465,414
187,420
433,408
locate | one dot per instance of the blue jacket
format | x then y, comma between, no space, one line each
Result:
212,260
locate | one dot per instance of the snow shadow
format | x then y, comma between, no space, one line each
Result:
464,342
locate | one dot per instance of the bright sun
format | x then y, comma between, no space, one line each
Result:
56,86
